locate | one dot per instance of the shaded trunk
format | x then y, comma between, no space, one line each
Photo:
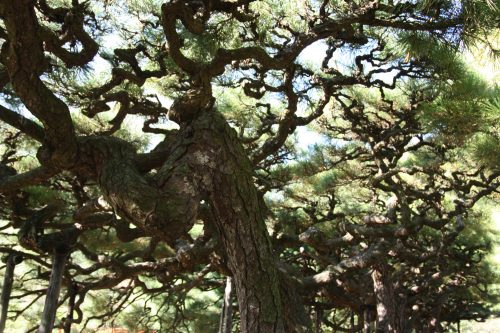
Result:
226,317
366,320
52,298
387,319
319,319
8,280
403,321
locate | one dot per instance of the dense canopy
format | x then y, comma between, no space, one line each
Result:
334,162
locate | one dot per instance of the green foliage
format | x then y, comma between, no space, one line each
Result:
485,149
457,113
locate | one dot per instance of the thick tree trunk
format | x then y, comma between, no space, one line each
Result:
7,289
207,161
217,165
226,316
266,302
403,322
387,319
52,298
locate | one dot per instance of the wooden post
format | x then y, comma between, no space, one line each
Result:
73,290
52,298
226,316
12,260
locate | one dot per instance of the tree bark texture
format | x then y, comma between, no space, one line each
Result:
52,298
239,216
387,320
207,161
6,290
24,68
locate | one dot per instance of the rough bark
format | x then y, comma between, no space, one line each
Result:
386,304
52,298
239,216
164,206
212,152
206,161
8,280
24,69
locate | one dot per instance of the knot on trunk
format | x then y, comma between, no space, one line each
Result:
190,105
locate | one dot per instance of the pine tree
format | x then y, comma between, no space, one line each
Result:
376,226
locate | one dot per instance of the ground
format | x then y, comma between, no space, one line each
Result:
490,326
